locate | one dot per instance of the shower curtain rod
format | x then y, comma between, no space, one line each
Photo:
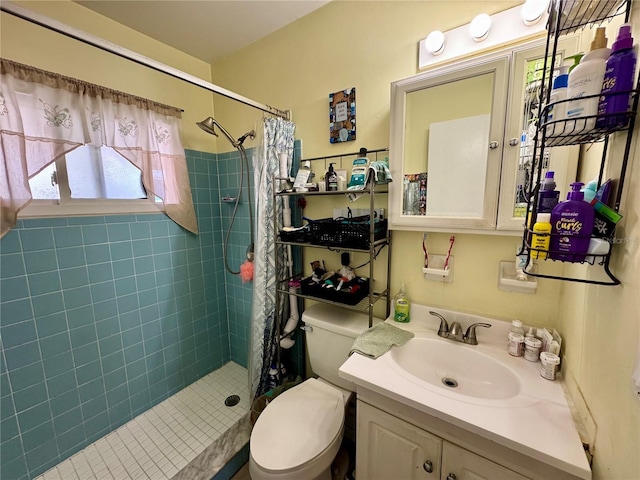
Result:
105,45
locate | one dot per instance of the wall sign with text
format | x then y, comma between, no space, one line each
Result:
342,116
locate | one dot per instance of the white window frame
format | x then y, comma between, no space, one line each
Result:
66,206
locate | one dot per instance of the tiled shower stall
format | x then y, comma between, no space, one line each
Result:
104,317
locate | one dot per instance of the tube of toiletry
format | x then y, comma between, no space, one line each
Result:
521,262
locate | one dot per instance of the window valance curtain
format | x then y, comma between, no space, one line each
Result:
44,115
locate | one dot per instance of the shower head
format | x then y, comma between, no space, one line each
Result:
251,135
209,124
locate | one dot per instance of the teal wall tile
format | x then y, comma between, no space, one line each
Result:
47,304
42,283
22,355
65,402
103,317
26,376
73,257
54,345
51,324
67,237
37,239
30,397
40,261
93,234
18,333
15,311
74,277
34,416
97,254
11,265
11,242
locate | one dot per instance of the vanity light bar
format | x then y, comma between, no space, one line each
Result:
509,26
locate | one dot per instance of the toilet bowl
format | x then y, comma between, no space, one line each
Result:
299,433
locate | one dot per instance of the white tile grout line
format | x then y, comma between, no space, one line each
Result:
161,441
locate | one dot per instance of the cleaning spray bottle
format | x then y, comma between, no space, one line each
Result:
402,305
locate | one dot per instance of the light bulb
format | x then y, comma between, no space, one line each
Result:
479,27
533,10
435,42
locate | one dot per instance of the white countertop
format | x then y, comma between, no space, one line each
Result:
536,422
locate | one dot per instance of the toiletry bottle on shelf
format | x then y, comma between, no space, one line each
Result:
557,106
541,236
571,223
303,176
331,178
589,190
585,84
401,306
617,85
548,195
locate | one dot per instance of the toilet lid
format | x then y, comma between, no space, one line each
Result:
297,426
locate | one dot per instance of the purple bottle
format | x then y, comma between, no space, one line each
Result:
615,96
547,196
571,226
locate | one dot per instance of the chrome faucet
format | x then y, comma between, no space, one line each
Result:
455,332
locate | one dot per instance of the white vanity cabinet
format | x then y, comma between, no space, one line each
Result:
391,448
461,142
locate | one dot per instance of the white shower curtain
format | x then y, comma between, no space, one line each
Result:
278,138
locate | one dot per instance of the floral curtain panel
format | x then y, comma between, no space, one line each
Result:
44,115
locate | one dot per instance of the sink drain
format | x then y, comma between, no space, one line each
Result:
232,400
449,382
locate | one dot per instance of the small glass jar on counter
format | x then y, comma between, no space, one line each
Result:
516,344
532,347
549,365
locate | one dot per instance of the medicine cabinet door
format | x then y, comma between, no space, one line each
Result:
447,126
525,101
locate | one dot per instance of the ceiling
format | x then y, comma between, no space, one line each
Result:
206,29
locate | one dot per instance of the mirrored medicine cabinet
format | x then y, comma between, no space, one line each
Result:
461,142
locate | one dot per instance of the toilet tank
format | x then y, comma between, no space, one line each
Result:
333,332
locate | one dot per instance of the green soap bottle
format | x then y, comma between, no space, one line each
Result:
402,305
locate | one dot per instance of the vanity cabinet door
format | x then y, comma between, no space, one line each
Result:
461,464
387,447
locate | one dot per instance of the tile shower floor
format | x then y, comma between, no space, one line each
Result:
157,444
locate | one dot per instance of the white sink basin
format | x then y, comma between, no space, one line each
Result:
455,367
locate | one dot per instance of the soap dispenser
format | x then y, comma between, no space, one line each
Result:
331,178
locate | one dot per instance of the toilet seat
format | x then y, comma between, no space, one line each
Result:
300,425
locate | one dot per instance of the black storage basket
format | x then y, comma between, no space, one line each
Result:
302,235
346,232
351,293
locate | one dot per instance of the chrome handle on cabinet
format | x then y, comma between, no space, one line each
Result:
428,466
451,476
493,145
513,142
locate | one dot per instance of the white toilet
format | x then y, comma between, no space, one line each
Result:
299,433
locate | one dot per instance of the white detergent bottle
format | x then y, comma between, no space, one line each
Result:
585,84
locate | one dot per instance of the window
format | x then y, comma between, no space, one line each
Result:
44,116
89,180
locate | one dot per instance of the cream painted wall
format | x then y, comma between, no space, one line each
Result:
370,44
27,43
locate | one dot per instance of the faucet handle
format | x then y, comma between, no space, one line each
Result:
443,331
470,334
